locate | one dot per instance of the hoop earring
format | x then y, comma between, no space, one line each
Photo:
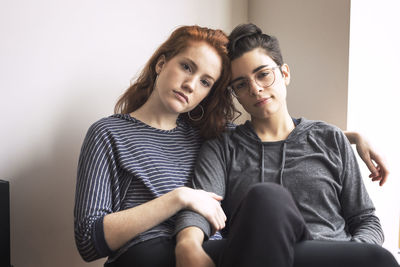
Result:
199,118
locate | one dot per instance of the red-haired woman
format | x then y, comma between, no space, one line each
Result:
134,165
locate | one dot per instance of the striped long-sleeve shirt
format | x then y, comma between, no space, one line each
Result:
124,163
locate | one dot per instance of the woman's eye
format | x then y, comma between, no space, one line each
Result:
263,74
205,83
186,67
240,85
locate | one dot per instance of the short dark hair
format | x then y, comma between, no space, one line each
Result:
246,37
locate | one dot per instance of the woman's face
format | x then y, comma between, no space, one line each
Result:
186,79
260,83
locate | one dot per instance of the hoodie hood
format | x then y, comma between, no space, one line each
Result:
302,125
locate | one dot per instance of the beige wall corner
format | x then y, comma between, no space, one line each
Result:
314,38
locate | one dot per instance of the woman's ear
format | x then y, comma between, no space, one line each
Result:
160,64
286,73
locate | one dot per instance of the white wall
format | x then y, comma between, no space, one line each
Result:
314,39
63,65
374,94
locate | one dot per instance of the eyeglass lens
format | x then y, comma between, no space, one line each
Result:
263,78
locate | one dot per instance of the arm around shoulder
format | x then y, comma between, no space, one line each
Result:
370,157
358,209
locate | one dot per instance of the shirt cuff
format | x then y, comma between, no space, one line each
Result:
188,218
99,240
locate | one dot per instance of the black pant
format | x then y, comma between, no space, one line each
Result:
267,230
160,252
316,253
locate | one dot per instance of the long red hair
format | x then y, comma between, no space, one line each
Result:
218,105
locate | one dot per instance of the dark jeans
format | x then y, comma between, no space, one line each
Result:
159,252
266,230
316,253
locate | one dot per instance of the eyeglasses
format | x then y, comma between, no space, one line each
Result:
263,78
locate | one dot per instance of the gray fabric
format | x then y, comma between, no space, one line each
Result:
315,163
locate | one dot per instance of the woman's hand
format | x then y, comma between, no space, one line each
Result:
374,162
205,203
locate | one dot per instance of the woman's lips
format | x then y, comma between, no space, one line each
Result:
262,101
181,96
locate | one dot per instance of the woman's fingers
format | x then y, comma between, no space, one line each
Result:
215,196
208,204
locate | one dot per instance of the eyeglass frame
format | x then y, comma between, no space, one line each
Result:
248,80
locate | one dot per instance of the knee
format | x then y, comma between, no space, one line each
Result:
268,193
376,255
271,198
272,206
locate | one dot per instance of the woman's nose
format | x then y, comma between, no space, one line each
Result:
254,88
189,84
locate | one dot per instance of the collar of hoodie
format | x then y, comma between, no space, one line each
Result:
250,132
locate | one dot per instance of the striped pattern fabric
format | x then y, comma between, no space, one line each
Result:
124,163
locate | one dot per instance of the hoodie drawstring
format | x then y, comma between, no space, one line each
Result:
262,163
282,164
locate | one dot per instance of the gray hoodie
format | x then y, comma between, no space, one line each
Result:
315,163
